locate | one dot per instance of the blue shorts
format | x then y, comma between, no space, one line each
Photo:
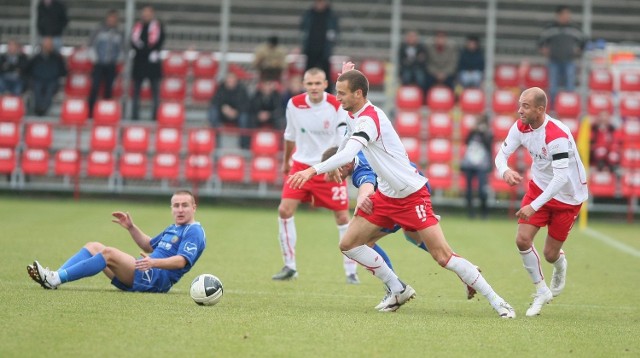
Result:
152,280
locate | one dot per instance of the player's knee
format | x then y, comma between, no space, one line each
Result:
285,211
108,253
523,242
551,255
94,247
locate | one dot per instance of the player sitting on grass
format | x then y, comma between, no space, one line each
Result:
166,257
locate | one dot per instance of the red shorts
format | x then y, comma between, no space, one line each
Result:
319,192
555,214
412,213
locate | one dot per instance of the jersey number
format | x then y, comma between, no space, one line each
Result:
339,193
421,212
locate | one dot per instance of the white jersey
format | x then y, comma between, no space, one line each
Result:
552,147
397,178
314,127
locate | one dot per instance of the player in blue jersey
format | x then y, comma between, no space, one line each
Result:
164,260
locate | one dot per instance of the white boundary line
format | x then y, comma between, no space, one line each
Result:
612,242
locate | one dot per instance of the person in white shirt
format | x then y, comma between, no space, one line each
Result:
402,198
557,189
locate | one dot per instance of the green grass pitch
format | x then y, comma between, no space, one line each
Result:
318,315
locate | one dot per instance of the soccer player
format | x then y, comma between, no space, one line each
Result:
313,125
166,257
554,196
402,198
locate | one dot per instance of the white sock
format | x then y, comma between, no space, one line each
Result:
531,261
470,275
561,262
350,266
370,260
287,236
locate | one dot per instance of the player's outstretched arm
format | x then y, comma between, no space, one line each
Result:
124,219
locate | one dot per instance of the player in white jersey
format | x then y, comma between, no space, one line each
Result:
313,125
402,198
557,189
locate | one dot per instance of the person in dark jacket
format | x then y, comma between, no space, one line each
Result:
471,63
230,107
12,66
320,28
477,163
266,106
45,70
52,20
413,60
147,38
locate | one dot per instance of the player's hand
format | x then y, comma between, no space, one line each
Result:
512,177
297,180
334,176
346,67
525,212
144,263
364,204
123,219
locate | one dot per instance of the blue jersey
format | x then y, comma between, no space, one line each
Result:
363,173
187,241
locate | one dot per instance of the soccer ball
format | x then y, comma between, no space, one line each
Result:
206,290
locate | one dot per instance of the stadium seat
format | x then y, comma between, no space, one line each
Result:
467,122
374,70
173,88
506,76
35,162
501,125
135,139
573,124
203,89
567,104
600,79
171,114
9,134
440,175
631,156
133,165
631,130
240,72
409,97
602,183
107,112
630,105
165,166
67,162
536,76
439,150
205,66
265,142
38,135
408,123
631,183
504,101
11,108
201,141
440,125
80,60
74,111
231,168
100,164
7,160
472,101
599,102
440,98
103,138
77,85
175,65
198,168
264,169
630,81
168,140
412,146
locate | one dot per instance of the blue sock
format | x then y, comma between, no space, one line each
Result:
85,268
381,252
81,255
422,245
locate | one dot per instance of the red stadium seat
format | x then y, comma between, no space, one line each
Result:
630,81
374,70
79,60
11,108
439,150
35,162
264,169
175,65
408,123
77,85
9,134
7,160
536,76
74,111
631,156
133,165
631,183
107,111
135,139
573,124
467,122
198,168
165,166
171,114
67,162
504,101
567,104
409,97
501,125
103,138
440,125
599,102
600,79
412,146
472,100
168,140
602,183
630,105
440,175
201,141
631,130
203,89
265,143
231,168
173,88
205,66
38,135
100,164
240,72
440,98
506,76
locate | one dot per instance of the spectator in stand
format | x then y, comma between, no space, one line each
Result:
442,61
270,60
147,38
12,66
45,70
413,61
294,87
229,107
606,143
266,106
561,42
320,28
476,163
107,48
471,63
52,20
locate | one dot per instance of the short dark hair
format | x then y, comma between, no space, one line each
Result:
357,81
473,38
561,8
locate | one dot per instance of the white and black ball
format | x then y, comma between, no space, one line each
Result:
206,290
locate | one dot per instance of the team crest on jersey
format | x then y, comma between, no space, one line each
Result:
326,124
544,151
175,239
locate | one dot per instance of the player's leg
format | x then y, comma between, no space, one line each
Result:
350,266
531,262
287,236
377,248
560,225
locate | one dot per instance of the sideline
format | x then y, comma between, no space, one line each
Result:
611,242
